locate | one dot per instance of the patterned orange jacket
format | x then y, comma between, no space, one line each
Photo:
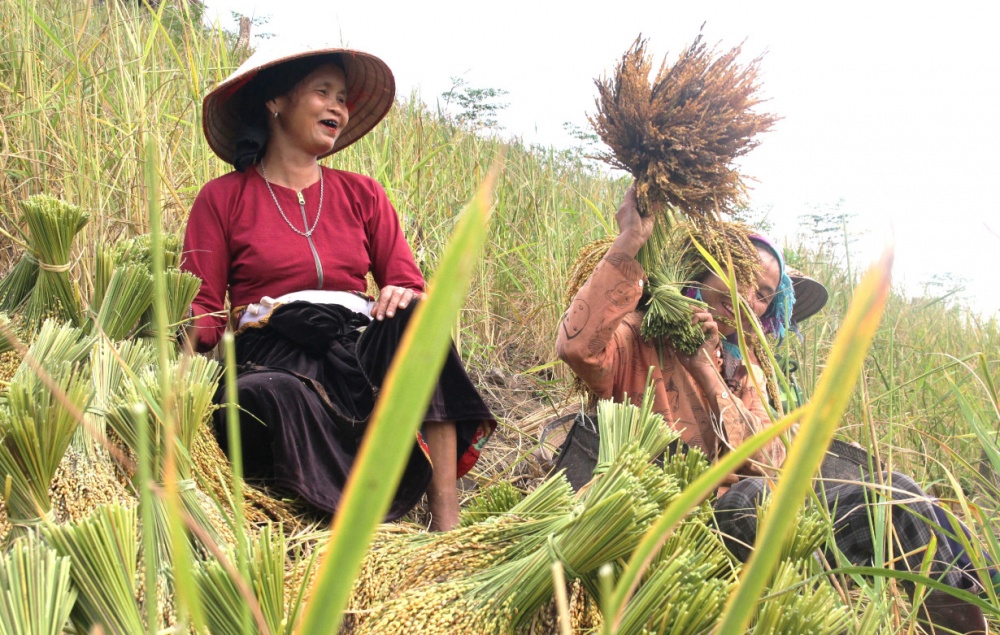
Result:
599,339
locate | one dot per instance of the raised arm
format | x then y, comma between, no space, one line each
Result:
591,338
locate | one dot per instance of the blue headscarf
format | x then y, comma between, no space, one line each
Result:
777,319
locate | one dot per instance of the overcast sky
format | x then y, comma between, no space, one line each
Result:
892,108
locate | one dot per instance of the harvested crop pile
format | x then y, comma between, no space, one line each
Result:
494,574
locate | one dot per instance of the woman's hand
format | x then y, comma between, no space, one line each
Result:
704,363
390,298
633,229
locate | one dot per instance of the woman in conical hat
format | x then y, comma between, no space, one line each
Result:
290,242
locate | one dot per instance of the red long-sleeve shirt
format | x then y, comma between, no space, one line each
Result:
237,241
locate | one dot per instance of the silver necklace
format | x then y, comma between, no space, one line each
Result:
319,210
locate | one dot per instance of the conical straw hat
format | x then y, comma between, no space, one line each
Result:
810,295
371,90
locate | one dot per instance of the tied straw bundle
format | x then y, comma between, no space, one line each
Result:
679,136
52,225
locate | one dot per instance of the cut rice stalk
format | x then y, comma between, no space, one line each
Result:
6,343
182,287
226,609
35,592
623,426
797,603
104,552
37,427
104,268
16,286
128,296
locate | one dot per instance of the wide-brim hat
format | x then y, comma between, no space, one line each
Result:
371,90
810,295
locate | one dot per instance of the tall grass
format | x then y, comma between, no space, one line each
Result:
85,86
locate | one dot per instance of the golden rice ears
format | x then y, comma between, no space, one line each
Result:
679,135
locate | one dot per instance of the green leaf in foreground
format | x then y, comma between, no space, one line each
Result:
397,416
806,453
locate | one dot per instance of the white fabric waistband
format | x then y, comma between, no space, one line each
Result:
257,312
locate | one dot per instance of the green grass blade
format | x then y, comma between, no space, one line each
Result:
397,416
806,453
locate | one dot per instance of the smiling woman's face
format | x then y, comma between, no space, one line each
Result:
313,113
716,294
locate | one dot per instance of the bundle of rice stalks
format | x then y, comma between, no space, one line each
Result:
104,551
35,592
399,561
121,276
623,426
680,135
16,286
614,513
226,610
55,345
137,251
182,287
38,423
6,334
797,603
194,380
494,500
37,427
128,296
679,596
53,224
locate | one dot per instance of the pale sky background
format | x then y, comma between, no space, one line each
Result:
890,108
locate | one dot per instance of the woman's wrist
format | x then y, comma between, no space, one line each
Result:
628,243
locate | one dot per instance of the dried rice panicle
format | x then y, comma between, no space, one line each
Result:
680,135
586,261
85,481
213,473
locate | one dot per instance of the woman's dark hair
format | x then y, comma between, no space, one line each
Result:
272,82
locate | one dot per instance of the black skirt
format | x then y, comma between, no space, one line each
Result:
307,385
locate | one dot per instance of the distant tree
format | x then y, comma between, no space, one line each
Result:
477,106
947,286
829,229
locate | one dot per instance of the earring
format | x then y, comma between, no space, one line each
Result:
275,114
